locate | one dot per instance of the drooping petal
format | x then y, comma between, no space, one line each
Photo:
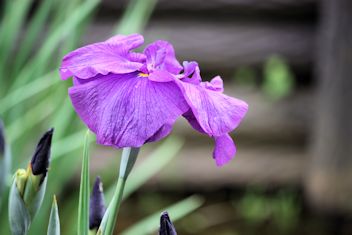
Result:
189,115
128,110
163,131
216,84
161,55
191,73
111,56
224,150
216,113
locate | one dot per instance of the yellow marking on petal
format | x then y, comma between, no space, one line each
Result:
144,75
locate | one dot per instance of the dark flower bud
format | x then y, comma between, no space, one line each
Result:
41,157
2,139
97,205
28,188
166,226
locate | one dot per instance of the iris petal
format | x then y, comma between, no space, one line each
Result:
224,150
127,110
111,56
161,55
216,113
191,73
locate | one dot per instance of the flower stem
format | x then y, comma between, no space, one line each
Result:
129,156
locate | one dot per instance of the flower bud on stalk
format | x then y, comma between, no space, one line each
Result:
4,160
28,188
166,226
96,206
2,140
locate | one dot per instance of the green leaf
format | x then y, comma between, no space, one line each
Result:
27,91
32,197
35,27
83,209
177,211
71,143
63,118
136,16
29,119
19,217
11,25
54,221
41,59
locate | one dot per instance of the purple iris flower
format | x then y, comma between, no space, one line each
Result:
129,98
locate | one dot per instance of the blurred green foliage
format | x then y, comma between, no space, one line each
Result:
245,76
278,78
281,210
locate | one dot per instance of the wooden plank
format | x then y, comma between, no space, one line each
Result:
329,185
268,166
193,168
226,45
201,5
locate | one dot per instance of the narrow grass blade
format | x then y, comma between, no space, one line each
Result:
29,119
41,59
54,220
72,40
177,211
83,209
19,216
136,16
33,31
71,143
27,91
63,118
11,25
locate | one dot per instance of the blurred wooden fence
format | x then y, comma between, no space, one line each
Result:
274,140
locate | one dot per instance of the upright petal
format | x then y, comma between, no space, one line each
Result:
224,150
161,76
161,55
216,113
128,110
111,56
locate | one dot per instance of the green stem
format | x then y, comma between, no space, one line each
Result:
115,206
129,156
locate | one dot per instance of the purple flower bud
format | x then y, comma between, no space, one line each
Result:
97,205
166,226
41,157
2,139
